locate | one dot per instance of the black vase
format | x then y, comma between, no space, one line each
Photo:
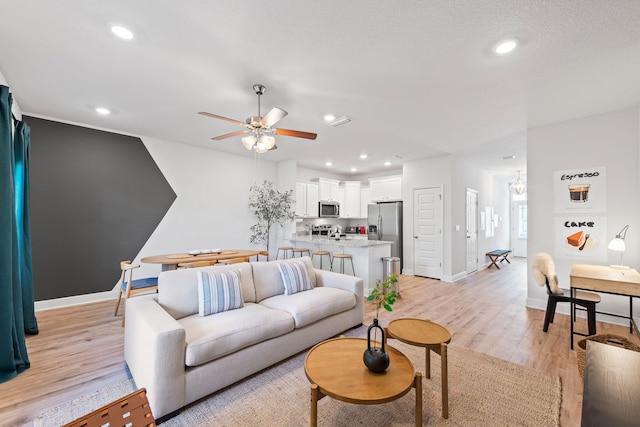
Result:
375,358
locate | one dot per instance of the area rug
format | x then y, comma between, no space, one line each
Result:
483,391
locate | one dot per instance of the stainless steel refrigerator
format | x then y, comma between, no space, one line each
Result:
384,221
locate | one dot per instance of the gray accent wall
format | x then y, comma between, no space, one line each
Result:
96,198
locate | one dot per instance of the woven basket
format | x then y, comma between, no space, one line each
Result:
610,339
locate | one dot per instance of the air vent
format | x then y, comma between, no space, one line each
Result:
340,121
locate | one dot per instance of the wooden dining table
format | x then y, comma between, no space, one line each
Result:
171,261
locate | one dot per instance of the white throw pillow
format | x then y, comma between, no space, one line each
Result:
218,292
294,277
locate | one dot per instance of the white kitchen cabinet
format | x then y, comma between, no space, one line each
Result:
386,189
306,200
350,207
365,199
328,189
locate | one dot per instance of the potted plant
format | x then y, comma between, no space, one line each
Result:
382,295
271,207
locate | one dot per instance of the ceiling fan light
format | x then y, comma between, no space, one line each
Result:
268,141
260,147
249,141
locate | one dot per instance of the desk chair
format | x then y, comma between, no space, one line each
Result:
543,270
130,287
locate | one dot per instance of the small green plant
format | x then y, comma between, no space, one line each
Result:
384,293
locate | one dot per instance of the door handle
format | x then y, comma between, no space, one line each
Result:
415,237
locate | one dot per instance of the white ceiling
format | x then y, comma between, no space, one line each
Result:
417,78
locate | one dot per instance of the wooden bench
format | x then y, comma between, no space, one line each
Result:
498,255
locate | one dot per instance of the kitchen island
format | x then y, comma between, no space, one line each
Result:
366,254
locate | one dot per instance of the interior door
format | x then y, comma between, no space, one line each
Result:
472,230
427,232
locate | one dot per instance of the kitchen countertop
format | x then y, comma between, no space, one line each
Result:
344,241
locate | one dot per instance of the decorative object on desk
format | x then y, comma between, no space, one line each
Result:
382,295
518,187
271,207
609,339
617,244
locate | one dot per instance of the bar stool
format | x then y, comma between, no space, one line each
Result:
342,258
321,254
285,250
300,251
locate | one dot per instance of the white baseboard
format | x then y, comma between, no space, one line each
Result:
75,300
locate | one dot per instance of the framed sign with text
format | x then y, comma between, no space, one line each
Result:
580,190
581,236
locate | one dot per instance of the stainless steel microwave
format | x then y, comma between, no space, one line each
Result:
328,209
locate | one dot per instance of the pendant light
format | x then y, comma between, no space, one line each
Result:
519,186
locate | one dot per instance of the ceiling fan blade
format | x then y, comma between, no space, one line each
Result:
215,116
273,117
229,135
296,133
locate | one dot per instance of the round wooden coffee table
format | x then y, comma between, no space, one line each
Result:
335,368
431,336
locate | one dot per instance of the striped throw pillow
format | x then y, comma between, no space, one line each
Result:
218,292
294,277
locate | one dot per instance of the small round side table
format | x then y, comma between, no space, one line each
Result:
431,336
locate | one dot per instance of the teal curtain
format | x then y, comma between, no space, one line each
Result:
15,246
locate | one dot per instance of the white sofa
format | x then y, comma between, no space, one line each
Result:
180,357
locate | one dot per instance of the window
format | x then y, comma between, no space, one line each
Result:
522,221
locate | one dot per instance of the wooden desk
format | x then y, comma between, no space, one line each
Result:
608,280
171,261
611,386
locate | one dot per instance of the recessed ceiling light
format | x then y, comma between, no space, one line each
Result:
339,121
329,117
103,111
353,169
328,164
505,46
122,32
363,156
387,163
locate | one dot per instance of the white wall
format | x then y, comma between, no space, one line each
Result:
610,140
211,209
15,108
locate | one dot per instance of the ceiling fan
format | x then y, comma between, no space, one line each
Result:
259,128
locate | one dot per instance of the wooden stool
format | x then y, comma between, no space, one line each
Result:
300,251
285,250
321,254
342,257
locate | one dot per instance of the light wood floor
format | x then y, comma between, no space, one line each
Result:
80,349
